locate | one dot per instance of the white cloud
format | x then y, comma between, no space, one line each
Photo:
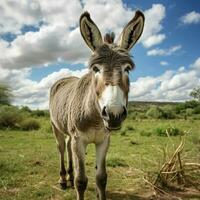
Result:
16,14
170,86
164,52
59,39
153,25
33,93
196,64
191,18
44,46
153,40
56,38
164,63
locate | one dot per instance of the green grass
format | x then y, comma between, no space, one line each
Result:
29,161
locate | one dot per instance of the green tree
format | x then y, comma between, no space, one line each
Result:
195,93
5,94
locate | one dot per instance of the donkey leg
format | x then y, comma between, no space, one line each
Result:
60,139
101,175
78,151
70,162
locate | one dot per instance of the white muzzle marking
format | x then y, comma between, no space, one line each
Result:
114,100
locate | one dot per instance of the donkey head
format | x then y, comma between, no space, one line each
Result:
110,64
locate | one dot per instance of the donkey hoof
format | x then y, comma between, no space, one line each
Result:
63,186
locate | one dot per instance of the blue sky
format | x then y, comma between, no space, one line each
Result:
176,33
41,43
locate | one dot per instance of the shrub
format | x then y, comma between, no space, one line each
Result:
168,112
189,111
30,124
10,117
160,131
40,113
197,110
191,104
154,112
180,107
172,131
25,109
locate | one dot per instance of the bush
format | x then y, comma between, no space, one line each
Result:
172,131
197,110
191,104
155,112
189,111
160,131
40,113
168,112
179,108
10,117
30,124
25,109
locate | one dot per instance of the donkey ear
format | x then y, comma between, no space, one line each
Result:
132,31
90,32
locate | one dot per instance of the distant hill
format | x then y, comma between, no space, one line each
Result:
158,103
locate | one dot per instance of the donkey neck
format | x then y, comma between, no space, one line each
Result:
88,115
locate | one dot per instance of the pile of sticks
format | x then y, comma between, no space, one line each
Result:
172,173
175,174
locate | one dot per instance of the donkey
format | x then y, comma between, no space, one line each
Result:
87,109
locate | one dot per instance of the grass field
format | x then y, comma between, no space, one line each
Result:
29,161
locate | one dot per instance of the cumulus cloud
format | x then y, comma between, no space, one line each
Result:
164,52
191,18
153,25
16,14
170,86
59,36
196,64
164,63
33,93
44,46
153,40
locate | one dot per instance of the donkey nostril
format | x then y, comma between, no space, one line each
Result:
104,113
124,114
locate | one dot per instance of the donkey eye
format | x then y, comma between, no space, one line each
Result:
96,69
127,69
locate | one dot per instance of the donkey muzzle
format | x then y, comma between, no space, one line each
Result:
114,119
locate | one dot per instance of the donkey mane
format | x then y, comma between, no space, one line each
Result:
109,38
111,55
